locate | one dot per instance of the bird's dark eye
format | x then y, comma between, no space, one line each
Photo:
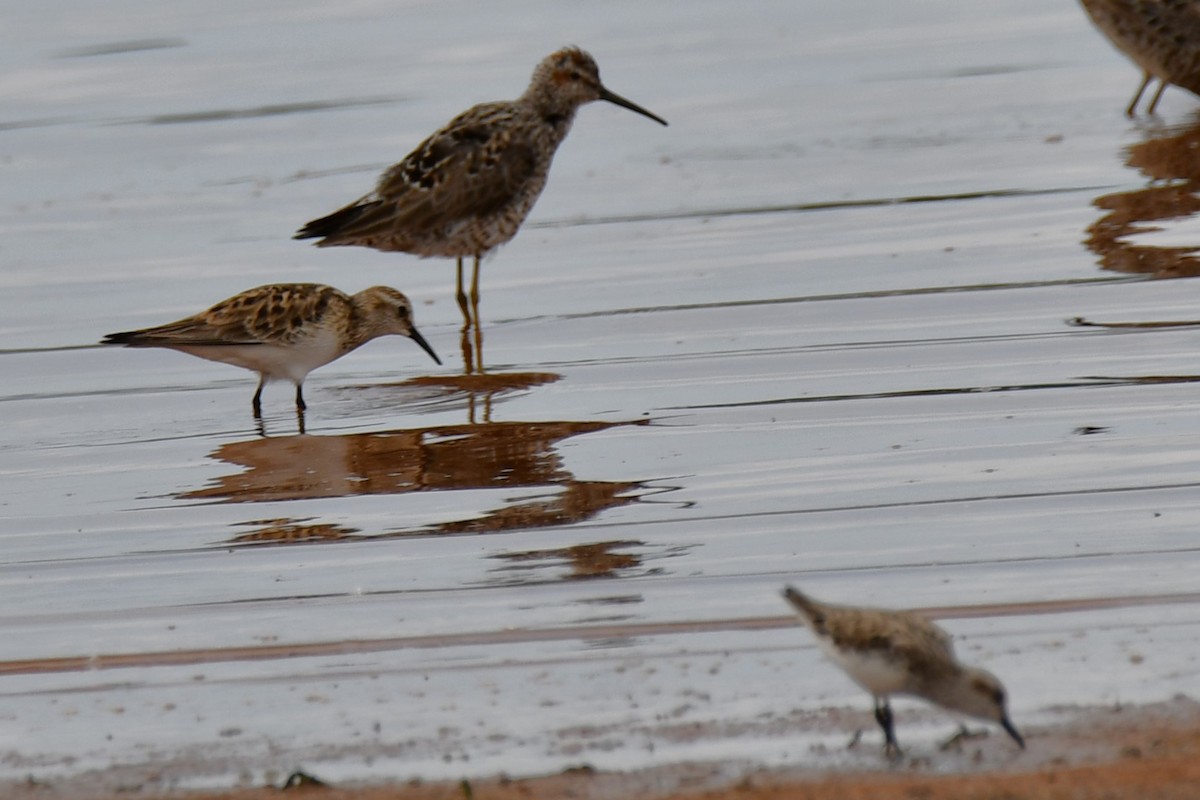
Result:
575,76
402,311
998,697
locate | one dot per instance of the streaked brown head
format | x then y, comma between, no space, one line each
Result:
569,78
388,311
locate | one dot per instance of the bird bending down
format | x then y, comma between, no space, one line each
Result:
900,652
467,188
284,331
1160,36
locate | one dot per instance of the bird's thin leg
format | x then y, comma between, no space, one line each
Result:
1162,87
300,407
1129,112
964,733
460,295
883,715
256,403
472,355
475,287
475,295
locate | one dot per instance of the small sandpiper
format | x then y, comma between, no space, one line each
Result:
284,331
900,652
467,188
1160,36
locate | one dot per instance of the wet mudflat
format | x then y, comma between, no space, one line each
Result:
816,331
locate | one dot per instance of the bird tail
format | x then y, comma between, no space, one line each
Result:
815,615
173,333
124,337
332,224
800,601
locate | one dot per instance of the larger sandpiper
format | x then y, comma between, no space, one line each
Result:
284,331
1160,36
903,653
467,188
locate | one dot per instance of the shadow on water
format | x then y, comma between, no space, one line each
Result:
254,112
480,390
1171,163
122,47
477,394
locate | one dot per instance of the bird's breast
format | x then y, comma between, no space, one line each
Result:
873,670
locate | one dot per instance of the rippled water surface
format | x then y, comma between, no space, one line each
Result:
816,331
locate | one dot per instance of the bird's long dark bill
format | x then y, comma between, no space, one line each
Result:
419,339
1008,726
612,97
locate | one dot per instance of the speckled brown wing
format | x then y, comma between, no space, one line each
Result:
1161,36
1175,26
273,314
926,649
471,168
919,634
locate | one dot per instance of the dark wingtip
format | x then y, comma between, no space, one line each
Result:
804,605
795,597
124,337
333,224
309,231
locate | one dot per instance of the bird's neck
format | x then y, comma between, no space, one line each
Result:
952,691
559,120
551,110
358,332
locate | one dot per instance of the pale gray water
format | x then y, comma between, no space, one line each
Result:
876,399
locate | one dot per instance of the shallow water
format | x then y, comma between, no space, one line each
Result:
813,332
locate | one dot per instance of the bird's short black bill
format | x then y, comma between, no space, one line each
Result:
1012,731
612,97
419,339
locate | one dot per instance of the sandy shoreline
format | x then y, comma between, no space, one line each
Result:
1113,753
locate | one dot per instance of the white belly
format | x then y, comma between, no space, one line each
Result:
872,671
277,362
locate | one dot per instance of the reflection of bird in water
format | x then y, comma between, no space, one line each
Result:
586,561
284,331
467,188
899,652
446,458
1168,160
1160,36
